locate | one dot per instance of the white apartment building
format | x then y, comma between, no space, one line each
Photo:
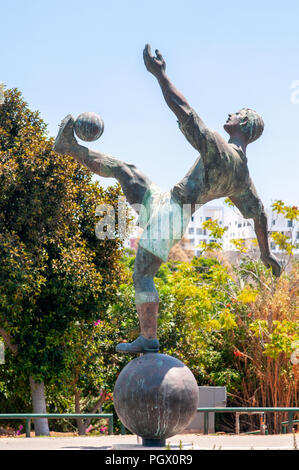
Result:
278,223
195,233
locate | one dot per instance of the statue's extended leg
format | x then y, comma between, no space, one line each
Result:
147,304
133,182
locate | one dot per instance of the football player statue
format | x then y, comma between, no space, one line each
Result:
220,171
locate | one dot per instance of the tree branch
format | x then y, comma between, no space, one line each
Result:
7,341
97,405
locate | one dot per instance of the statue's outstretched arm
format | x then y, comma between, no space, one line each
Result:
175,100
195,130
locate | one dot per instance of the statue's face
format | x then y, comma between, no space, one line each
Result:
236,121
233,122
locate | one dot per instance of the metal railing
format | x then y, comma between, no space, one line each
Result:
290,411
29,416
284,425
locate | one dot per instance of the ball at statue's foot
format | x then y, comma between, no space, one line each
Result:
155,396
89,126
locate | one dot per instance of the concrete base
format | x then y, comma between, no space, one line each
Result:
200,442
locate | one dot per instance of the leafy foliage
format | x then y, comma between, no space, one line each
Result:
216,232
54,272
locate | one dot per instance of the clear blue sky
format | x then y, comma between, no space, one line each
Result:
71,56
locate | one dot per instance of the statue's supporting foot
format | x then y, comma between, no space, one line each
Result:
147,341
140,345
65,139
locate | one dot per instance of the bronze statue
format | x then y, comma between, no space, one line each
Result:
220,171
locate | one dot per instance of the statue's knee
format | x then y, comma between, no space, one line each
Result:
143,283
136,278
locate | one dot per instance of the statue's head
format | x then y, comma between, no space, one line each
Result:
247,122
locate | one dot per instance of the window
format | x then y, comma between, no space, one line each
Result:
297,236
273,222
208,218
192,241
198,231
191,230
192,218
273,246
290,223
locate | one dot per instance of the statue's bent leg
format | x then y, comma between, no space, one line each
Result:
147,304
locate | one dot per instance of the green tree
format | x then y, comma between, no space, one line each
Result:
54,272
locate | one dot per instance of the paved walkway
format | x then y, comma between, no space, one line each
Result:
129,442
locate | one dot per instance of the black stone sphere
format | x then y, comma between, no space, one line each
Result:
155,396
89,126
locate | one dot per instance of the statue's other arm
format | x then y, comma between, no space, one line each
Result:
251,207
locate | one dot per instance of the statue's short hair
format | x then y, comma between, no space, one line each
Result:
254,125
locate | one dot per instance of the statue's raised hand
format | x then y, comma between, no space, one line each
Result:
155,65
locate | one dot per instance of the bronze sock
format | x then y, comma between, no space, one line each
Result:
148,315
